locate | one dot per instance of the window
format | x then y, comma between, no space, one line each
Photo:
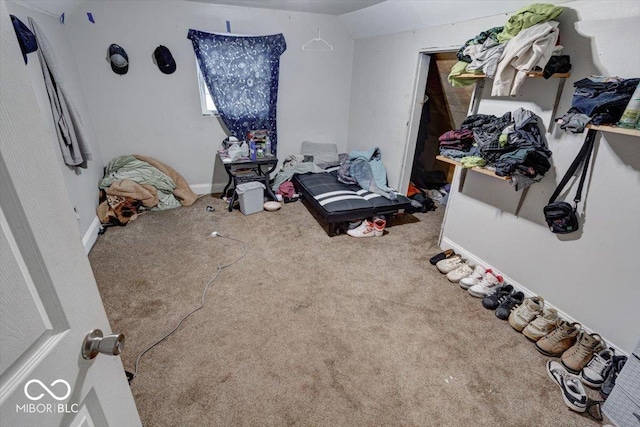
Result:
206,101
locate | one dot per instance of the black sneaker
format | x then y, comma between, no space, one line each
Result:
510,302
442,255
616,366
492,301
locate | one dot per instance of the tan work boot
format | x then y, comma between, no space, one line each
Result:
559,340
526,312
541,325
577,357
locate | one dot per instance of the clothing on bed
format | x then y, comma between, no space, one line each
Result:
367,170
293,167
361,167
314,157
339,203
365,175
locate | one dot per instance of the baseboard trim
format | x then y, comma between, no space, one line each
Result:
207,188
91,235
449,244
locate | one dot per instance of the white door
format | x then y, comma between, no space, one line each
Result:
413,124
49,300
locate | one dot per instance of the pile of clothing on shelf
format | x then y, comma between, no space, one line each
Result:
511,145
599,100
526,43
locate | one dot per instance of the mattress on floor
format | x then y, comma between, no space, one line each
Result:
338,202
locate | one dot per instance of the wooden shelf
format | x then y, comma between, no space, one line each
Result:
533,74
475,169
615,129
484,171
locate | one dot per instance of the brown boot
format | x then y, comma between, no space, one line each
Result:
559,340
577,357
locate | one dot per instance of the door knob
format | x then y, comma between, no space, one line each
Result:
95,342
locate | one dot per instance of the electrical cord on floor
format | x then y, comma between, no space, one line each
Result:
219,268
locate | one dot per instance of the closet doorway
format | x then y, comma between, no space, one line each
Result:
444,108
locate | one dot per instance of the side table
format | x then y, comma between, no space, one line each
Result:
247,170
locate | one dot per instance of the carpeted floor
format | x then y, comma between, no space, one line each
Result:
310,330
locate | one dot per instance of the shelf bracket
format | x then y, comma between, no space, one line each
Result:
521,201
476,96
552,121
463,178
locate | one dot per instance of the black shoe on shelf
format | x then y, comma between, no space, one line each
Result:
492,301
510,302
616,366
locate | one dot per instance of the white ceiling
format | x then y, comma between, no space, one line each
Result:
396,16
52,7
363,18
327,7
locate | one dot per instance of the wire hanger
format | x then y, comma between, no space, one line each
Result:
317,44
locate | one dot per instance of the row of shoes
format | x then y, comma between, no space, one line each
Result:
582,354
584,358
481,282
373,228
571,386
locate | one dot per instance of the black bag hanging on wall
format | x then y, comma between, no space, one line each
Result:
561,217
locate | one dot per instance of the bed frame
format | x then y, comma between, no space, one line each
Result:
338,203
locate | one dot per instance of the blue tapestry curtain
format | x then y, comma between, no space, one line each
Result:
241,73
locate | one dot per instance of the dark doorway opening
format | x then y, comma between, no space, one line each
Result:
444,108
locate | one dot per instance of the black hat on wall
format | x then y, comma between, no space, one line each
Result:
118,59
164,60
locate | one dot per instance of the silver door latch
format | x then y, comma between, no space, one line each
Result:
95,342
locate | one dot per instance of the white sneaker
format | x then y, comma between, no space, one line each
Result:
459,273
486,286
597,369
449,264
573,393
366,229
526,312
541,325
474,278
378,226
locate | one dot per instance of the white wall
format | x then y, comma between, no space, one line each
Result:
150,113
593,276
81,183
384,76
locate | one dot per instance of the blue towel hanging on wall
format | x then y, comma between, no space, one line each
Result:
241,73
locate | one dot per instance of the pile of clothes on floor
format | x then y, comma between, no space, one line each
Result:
526,43
427,187
132,184
511,145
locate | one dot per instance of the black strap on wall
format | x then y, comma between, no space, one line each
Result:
584,155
